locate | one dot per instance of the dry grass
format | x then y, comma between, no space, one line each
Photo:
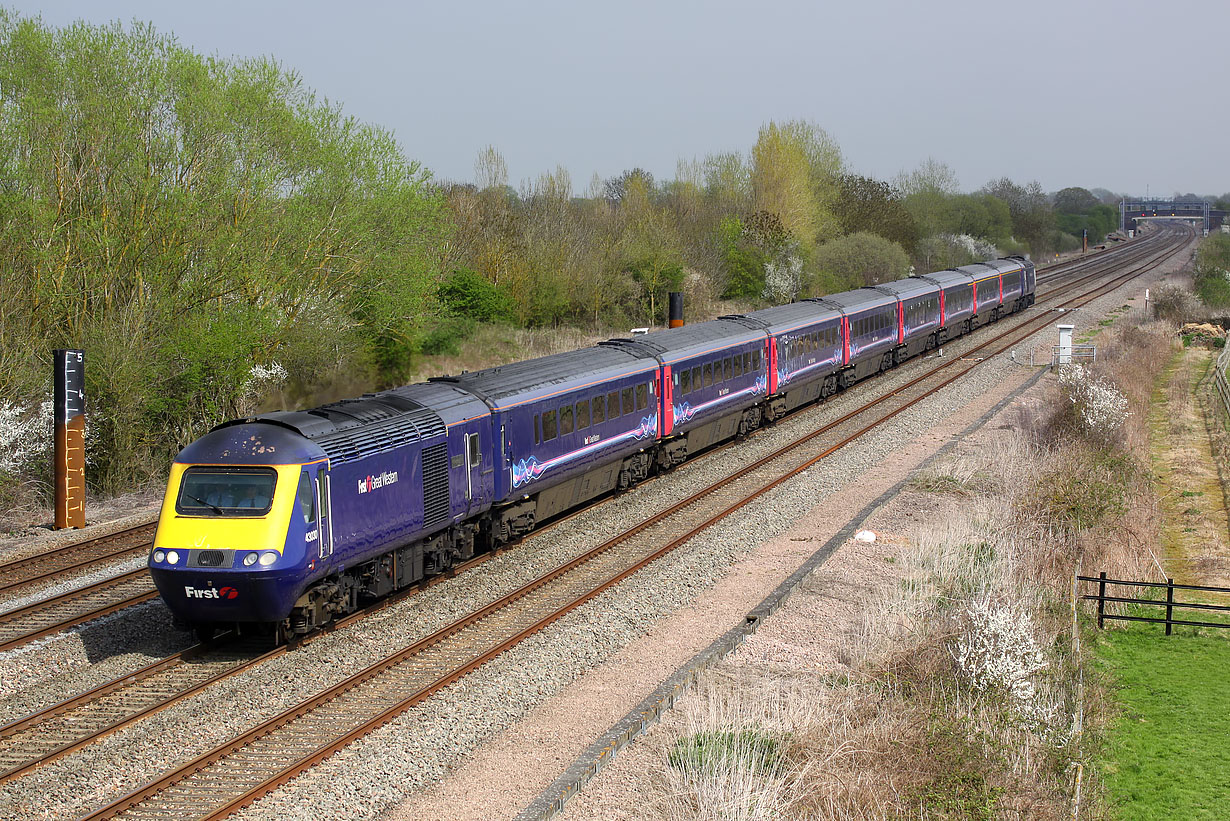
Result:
912,729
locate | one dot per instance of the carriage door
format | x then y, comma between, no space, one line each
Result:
325,506
474,464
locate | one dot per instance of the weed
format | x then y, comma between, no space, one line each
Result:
750,748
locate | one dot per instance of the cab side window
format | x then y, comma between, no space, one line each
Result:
305,499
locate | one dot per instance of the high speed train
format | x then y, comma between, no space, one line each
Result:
290,519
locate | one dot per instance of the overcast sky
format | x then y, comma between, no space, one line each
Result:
1120,94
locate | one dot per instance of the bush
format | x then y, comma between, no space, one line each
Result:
445,338
1170,302
471,295
856,260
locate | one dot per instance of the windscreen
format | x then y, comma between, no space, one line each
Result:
205,491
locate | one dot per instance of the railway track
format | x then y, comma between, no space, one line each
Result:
245,768
51,615
34,621
49,567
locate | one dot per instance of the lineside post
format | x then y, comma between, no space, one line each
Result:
69,398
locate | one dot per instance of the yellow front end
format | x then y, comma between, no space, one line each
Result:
240,533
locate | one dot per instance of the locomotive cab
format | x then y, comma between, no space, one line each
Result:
237,529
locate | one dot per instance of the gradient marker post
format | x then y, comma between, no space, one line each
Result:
69,396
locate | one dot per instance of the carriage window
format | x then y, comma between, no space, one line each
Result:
685,382
696,378
565,420
747,363
738,360
599,409
627,396
726,369
476,456
549,428
708,374
756,360
642,396
612,405
583,414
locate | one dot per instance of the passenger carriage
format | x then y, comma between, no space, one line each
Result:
570,427
918,315
714,377
871,330
806,352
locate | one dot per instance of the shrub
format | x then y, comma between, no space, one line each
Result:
1173,303
473,296
1101,409
444,339
859,259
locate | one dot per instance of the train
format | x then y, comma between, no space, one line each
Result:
288,520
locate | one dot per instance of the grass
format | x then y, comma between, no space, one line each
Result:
1166,755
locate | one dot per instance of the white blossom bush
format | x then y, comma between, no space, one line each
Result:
1100,408
975,247
25,436
997,650
261,380
783,277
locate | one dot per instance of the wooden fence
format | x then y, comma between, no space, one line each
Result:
1219,378
1170,604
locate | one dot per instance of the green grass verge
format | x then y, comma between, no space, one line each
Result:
1168,753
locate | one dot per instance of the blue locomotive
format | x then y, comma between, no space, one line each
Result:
291,519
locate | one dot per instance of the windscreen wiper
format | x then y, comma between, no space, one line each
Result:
214,508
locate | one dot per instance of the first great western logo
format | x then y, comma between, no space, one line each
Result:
377,481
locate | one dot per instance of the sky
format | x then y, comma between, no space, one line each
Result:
1118,94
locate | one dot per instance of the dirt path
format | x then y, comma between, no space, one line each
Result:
1194,523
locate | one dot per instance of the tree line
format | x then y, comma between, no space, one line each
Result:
209,228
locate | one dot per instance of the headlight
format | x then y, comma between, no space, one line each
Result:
159,555
249,560
172,557
268,559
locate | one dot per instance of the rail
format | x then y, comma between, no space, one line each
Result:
1169,603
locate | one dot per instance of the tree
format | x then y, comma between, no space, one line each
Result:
856,260
794,176
1074,201
928,192
490,170
186,219
982,215
1032,217
616,188
866,204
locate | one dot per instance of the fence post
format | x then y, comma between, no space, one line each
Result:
1101,597
1169,602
